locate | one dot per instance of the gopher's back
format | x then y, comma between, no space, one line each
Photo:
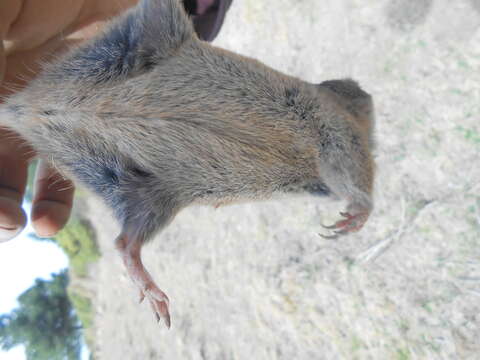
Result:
147,110
152,119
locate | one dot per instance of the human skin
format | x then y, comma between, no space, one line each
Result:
33,32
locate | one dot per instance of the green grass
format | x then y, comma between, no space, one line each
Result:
78,242
403,354
471,135
84,310
83,307
357,344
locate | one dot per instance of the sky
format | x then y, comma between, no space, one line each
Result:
22,260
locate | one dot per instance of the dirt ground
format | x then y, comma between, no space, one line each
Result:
255,281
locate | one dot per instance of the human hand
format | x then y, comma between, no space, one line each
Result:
32,32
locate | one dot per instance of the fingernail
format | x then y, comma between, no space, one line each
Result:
46,235
9,233
12,218
48,217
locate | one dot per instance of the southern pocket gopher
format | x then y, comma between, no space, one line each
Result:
153,119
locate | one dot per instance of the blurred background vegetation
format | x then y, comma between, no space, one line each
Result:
54,314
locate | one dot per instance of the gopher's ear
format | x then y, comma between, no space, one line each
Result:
132,44
357,101
165,26
360,101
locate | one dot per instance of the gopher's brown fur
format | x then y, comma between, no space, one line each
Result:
153,120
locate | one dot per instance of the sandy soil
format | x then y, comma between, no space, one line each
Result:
255,281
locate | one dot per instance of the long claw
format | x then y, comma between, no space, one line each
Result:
329,227
130,251
336,234
329,237
159,304
339,224
155,312
161,310
351,223
166,320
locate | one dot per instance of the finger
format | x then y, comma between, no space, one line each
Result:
39,21
2,60
12,216
13,179
23,66
52,202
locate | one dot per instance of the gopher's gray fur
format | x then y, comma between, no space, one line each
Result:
153,120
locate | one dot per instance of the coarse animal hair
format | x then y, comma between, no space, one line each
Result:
153,119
